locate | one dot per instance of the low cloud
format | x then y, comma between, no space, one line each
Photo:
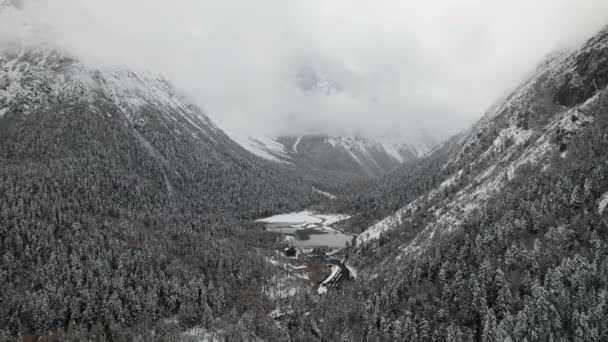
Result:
403,66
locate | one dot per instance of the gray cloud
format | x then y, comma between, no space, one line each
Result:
404,65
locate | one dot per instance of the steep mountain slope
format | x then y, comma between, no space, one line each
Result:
501,232
334,161
186,148
119,204
356,156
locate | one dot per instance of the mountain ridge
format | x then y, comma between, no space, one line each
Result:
356,155
500,232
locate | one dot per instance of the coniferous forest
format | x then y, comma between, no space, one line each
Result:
127,214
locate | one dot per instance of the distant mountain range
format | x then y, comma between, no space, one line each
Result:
352,155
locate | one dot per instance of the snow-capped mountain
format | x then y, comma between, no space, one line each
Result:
110,170
310,81
42,87
500,232
351,155
531,128
356,155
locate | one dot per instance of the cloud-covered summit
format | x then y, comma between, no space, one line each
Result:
402,66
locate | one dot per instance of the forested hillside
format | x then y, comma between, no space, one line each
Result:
126,214
501,234
119,203
334,164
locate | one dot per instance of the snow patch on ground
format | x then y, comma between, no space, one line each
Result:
353,146
450,181
392,150
263,147
296,143
282,287
374,232
199,334
351,270
285,265
602,204
287,281
305,217
391,222
332,218
3,111
354,156
326,194
299,217
278,313
514,134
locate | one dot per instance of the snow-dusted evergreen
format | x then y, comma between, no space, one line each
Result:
500,233
126,214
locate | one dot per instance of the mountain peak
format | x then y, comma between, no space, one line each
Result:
355,155
311,81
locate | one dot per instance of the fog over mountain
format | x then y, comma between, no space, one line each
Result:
271,170
405,67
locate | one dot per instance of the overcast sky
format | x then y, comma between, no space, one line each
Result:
404,65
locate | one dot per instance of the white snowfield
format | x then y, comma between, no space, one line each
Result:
299,217
269,148
305,217
263,147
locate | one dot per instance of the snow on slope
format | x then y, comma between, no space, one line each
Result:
513,145
390,222
360,147
295,144
602,204
326,194
374,157
392,150
132,91
263,147
486,183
